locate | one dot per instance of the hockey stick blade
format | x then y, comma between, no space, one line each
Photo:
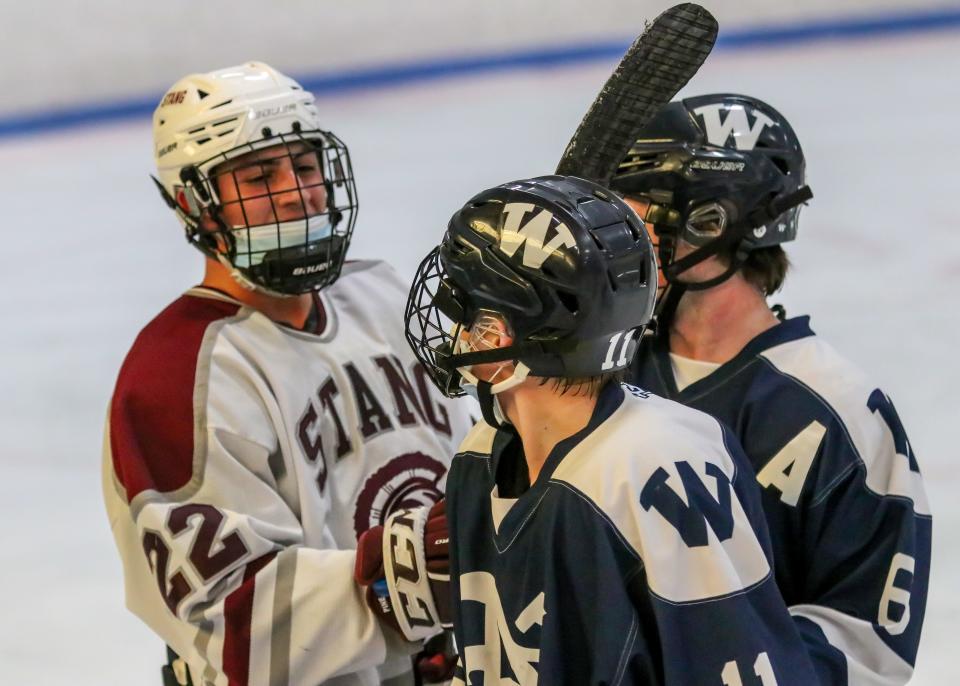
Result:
652,71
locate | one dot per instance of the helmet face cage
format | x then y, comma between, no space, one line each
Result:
434,321
284,205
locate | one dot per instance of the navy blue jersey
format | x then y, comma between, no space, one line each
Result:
638,556
842,493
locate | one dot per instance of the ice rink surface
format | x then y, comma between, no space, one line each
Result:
92,255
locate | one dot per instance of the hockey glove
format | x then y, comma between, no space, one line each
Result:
436,663
405,566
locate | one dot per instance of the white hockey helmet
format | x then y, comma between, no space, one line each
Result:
204,120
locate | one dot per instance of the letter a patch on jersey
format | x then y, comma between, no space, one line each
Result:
787,470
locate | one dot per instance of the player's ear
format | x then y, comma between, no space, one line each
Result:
638,205
488,332
504,338
211,231
207,222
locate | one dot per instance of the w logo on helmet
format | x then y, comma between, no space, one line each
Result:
718,131
533,233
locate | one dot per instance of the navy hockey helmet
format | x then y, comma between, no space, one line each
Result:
567,264
721,172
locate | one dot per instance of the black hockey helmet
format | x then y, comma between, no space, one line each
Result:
566,263
721,172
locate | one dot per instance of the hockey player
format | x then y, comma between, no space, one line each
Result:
273,413
599,534
720,179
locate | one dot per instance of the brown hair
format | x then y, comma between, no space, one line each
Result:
588,385
766,268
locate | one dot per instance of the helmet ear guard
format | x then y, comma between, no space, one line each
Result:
193,195
187,200
729,235
190,210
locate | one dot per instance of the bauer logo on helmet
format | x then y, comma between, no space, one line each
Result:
274,111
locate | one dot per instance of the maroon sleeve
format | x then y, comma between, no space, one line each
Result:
152,418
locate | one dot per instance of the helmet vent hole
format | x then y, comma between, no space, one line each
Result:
461,247
202,94
570,301
222,104
781,164
201,141
197,130
636,163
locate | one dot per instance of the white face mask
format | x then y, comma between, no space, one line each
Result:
256,241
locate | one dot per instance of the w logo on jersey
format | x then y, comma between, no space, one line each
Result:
701,509
533,234
736,124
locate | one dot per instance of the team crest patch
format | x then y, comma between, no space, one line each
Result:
410,480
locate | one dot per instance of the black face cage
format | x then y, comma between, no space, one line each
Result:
434,320
311,215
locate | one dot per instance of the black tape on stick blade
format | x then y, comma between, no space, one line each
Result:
653,70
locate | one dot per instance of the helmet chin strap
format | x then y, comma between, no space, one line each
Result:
666,306
485,392
735,236
238,276
730,238
489,405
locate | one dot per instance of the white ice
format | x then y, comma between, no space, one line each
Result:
89,254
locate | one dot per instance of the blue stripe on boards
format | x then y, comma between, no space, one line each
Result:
376,77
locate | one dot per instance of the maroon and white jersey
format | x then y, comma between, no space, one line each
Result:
242,459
